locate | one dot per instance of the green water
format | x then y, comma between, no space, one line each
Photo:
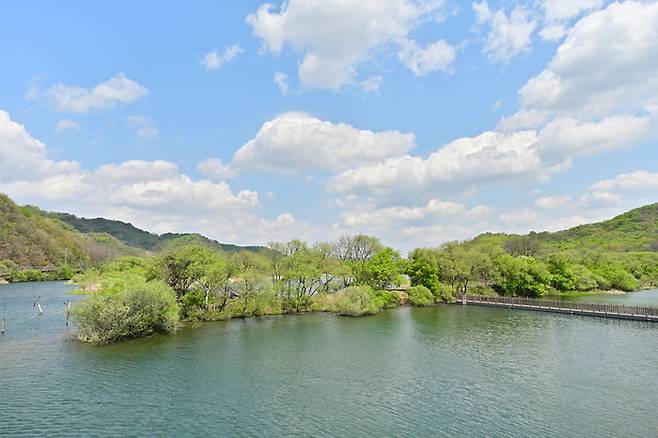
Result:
446,371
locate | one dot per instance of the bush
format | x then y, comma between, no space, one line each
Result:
585,279
192,304
264,303
356,301
26,275
445,293
141,309
420,296
622,280
388,299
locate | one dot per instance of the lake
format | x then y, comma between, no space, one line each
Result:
445,371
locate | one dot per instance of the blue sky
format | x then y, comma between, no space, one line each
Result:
419,121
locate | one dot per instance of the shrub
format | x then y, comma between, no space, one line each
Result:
420,296
445,293
192,303
26,275
356,301
622,280
139,310
388,299
585,279
264,303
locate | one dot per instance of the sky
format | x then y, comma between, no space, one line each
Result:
417,121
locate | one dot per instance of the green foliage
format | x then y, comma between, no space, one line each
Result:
141,309
122,231
420,296
562,272
523,276
349,277
25,275
633,231
382,270
388,299
191,304
423,269
356,301
34,240
444,293
7,267
262,302
585,280
181,267
31,240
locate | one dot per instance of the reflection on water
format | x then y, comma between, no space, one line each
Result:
450,371
640,298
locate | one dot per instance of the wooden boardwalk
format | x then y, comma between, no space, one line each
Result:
617,311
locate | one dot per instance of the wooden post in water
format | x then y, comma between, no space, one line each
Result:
68,312
4,320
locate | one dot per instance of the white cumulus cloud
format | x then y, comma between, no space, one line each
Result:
551,202
508,35
336,37
422,60
215,59
623,37
486,157
298,142
76,99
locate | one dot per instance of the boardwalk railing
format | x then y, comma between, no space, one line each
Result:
619,311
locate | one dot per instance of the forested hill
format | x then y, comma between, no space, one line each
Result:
124,232
133,236
633,231
31,239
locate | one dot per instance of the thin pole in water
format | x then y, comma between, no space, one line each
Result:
37,304
68,312
4,320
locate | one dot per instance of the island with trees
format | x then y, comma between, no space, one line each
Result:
165,281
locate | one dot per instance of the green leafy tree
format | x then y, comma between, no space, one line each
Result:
423,268
382,270
181,267
562,273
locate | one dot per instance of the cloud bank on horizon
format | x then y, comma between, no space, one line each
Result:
418,121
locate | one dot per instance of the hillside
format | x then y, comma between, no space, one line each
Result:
133,236
122,231
31,239
617,254
633,231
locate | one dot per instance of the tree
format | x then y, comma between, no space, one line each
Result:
523,245
181,267
381,270
423,269
216,280
523,276
251,270
562,273
354,252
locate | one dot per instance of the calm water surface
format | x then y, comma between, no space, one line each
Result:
446,371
